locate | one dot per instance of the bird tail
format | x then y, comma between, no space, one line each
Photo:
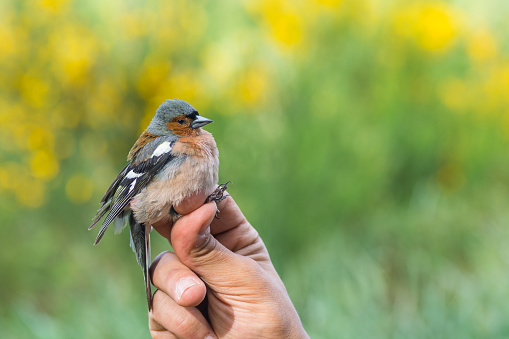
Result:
100,213
140,243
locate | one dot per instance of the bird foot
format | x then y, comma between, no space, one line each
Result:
218,195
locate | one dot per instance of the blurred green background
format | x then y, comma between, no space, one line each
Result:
366,140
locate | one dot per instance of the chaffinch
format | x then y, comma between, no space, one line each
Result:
173,159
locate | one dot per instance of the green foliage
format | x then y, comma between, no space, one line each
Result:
366,143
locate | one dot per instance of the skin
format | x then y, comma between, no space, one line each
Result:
224,262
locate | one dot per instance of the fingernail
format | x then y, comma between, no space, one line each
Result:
183,284
210,337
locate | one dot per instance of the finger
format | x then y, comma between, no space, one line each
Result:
234,231
200,251
169,275
242,240
186,206
229,215
159,332
182,322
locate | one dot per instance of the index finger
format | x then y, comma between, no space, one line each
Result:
229,214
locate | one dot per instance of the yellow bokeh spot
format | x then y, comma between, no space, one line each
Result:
432,26
12,175
494,90
134,24
79,188
34,90
10,38
435,27
31,193
44,165
482,46
287,29
284,20
152,76
54,6
75,49
40,138
330,3
253,86
183,85
221,63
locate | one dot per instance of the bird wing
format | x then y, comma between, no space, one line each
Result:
133,178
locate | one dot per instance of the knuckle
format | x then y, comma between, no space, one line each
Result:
187,326
156,300
204,245
160,261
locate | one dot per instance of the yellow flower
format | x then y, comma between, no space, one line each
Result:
12,175
31,193
482,46
44,165
153,73
74,50
221,62
253,86
433,26
79,188
284,21
13,38
14,178
41,138
494,90
54,6
330,3
184,85
103,106
34,90
134,24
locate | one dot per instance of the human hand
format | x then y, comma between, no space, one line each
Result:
220,281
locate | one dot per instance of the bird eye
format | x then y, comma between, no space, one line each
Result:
181,121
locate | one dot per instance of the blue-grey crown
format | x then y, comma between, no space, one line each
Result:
172,108
167,111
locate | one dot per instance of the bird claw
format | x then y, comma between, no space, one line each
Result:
218,195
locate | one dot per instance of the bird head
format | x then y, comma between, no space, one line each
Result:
176,117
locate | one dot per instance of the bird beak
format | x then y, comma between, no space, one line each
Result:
200,121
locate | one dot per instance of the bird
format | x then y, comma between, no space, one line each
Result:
172,159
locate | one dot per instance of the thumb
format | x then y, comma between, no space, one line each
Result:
199,250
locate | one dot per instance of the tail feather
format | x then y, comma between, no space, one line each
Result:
147,266
140,243
100,235
121,221
100,213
